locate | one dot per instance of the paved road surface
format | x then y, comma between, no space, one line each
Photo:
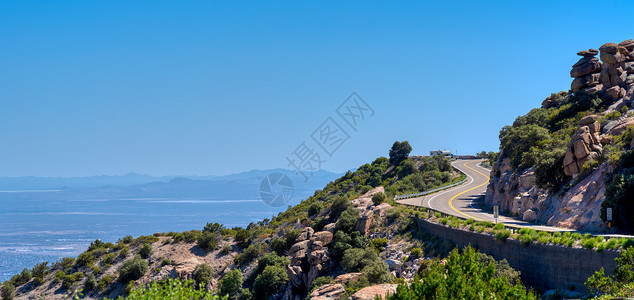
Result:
461,201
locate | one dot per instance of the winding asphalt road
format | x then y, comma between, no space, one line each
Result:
461,201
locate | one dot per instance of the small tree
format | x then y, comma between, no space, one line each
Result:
269,282
146,251
231,283
202,274
348,220
379,198
132,269
315,208
399,152
8,291
208,241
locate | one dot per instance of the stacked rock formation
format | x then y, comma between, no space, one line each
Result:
584,146
613,75
586,72
308,257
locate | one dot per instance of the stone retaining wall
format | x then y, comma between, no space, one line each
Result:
542,266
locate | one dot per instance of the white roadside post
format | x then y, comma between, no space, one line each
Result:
495,213
608,212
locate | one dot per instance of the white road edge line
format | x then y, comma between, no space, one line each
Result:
450,190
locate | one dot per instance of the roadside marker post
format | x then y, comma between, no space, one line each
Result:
608,212
495,213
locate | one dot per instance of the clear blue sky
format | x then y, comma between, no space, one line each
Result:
202,87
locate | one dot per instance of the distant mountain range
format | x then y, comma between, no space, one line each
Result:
244,185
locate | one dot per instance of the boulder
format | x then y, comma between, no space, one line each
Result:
317,257
588,80
588,53
325,237
313,273
588,120
370,292
393,264
295,275
328,292
609,48
348,277
330,227
184,269
365,222
593,89
303,245
591,66
306,233
529,216
615,92
605,139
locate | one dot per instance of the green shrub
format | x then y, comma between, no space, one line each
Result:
245,294
463,276
146,251
175,288
69,280
249,254
339,205
127,239
376,272
213,227
91,283
104,282
498,226
242,236
231,283
319,281
270,281
378,244
379,198
202,274
8,291
348,220
416,253
502,234
315,208
208,241
132,269
271,259
278,245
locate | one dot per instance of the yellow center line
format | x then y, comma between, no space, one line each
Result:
454,197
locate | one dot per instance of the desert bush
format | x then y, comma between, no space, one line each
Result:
278,245
104,282
319,281
8,291
249,254
231,283
348,220
202,274
69,280
132,269
91,283
379,198
146,251
127,239
416,253
271,259
175,288
378,244
339,205
269,282
208,241
315,208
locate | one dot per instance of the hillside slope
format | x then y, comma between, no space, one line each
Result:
557,162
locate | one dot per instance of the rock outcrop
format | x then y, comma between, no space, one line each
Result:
370,292
584,146
328,292
613,74
308,257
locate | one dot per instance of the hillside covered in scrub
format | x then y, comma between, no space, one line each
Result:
564,163
347,240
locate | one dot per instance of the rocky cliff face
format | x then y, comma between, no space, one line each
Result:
577,207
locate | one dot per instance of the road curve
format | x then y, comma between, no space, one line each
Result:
461,201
